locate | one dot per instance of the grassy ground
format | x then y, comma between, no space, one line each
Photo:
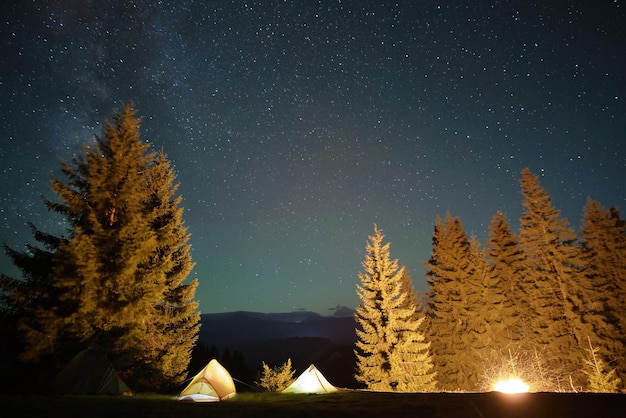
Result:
340,404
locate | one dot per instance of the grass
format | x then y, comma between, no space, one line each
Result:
340,404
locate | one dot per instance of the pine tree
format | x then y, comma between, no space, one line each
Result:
118,276
456,312
416,368
551,280
391,352
22,299
490,321
604,286
105,272
507,267
412,300
510,356
177,320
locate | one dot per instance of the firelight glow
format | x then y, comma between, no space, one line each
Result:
511,385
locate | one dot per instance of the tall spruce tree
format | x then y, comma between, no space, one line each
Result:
117,278
491,320
507,267
455,325
604,287
552,280
22,300
412,300
391,351
177,320
510,356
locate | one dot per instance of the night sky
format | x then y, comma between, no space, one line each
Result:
293,127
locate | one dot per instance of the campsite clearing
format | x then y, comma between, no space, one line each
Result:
337,404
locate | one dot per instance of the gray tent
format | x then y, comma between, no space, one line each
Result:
89,373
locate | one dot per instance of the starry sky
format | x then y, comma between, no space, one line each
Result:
294,126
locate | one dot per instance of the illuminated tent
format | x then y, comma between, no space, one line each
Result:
310,381
89,373
212,384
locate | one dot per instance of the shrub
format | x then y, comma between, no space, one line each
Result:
600,380
277,378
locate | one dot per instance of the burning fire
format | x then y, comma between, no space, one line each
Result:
511,385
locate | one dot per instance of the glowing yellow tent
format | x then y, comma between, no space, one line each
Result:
212,384
310,381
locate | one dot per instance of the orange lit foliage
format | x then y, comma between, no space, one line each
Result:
276,379
552,282
456,311
117,279
604,254
531,306
507,269
175,321
391,352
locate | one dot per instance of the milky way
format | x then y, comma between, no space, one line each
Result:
295,126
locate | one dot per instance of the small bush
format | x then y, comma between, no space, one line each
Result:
600,380
276,379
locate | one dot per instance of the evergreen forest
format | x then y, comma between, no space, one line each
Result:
546,305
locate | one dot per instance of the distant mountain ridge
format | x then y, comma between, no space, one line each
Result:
221,329
273,338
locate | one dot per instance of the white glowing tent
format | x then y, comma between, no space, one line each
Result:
310,381
212,384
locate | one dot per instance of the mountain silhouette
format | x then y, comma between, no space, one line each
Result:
273,338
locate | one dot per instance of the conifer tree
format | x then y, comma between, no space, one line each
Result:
490,320
507,268
604,286
508,327
456,311
22,298
117,278
552,280
412,300
391,352
177,320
